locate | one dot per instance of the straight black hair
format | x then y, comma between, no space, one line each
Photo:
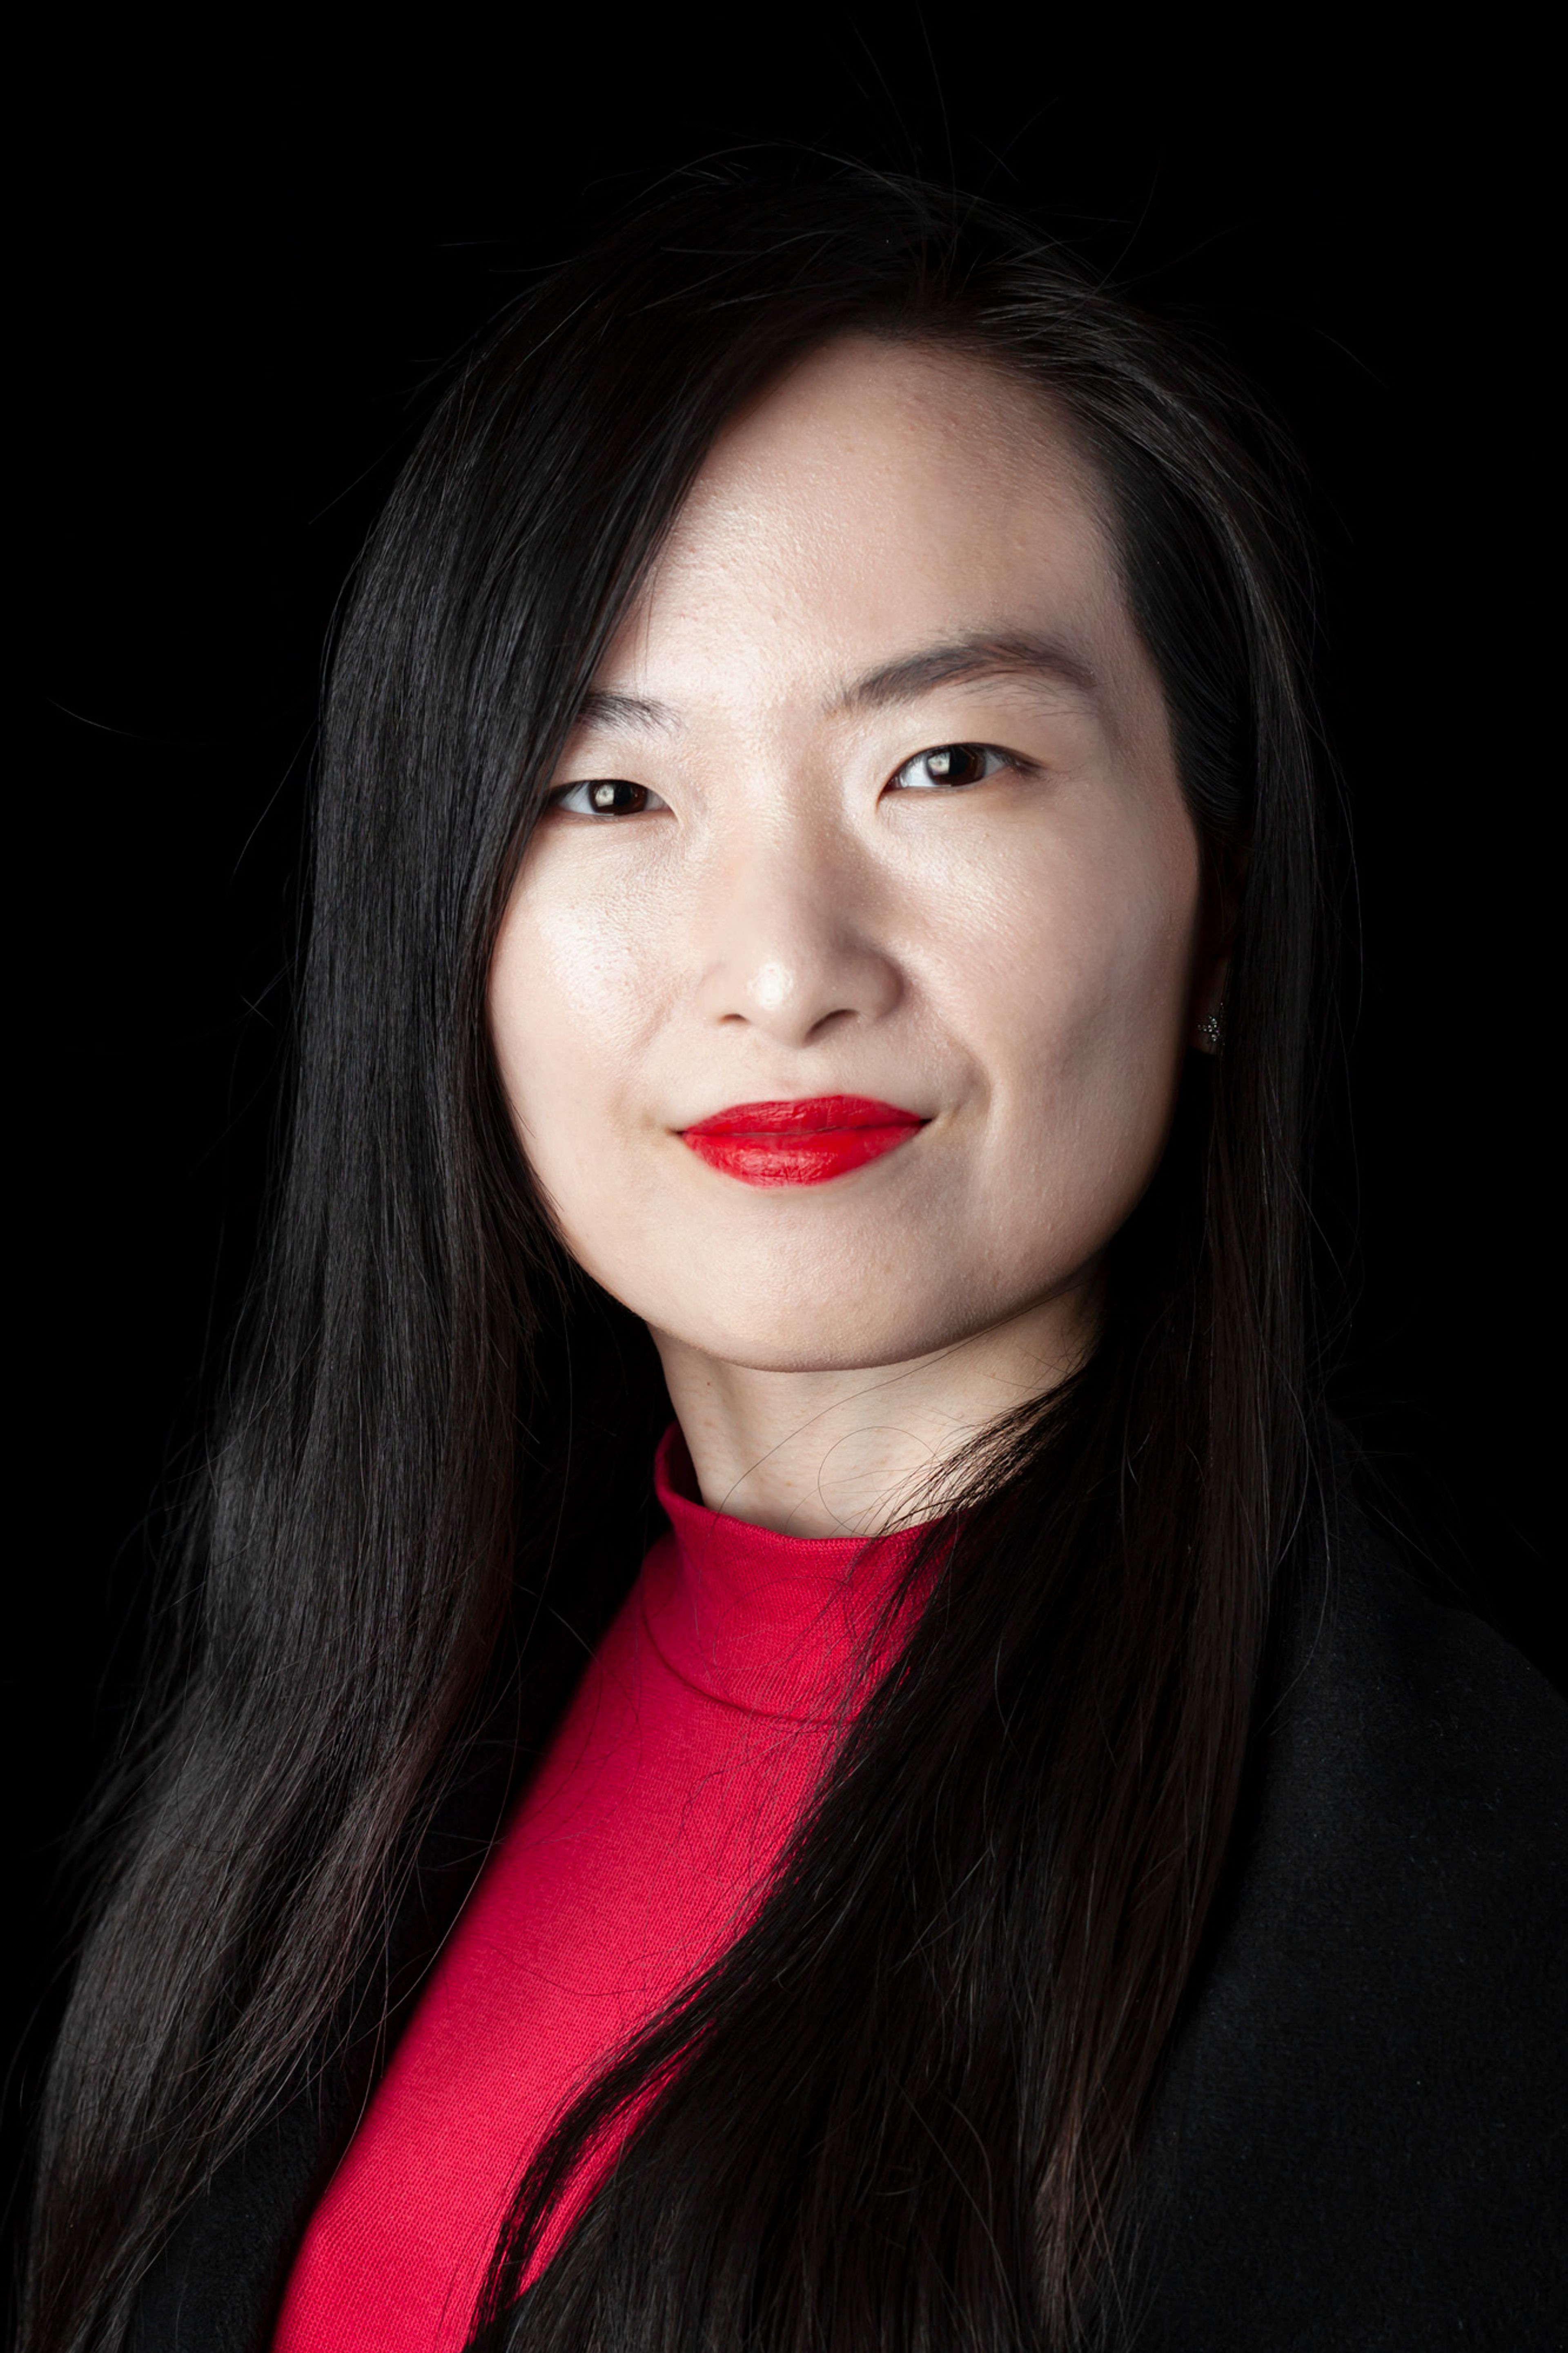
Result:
903,2109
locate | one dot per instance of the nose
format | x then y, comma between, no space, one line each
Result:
793,946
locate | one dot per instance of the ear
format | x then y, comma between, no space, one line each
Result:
1224,873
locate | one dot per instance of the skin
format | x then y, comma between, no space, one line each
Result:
1021,960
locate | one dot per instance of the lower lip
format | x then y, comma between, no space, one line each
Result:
800,1144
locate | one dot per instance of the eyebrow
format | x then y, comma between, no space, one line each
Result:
966,661
601,708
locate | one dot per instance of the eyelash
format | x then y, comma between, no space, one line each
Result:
563,793
983,752
1005,761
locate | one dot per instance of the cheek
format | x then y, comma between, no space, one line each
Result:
569,1006
1076,986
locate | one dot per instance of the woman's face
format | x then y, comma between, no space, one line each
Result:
875,799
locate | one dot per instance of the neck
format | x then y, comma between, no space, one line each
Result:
860,1450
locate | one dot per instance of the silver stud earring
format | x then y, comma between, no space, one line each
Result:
1211,1031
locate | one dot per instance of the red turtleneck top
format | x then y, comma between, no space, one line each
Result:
678,1771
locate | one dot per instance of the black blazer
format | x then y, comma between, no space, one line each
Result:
1357,2144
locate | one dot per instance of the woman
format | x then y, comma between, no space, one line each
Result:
815,904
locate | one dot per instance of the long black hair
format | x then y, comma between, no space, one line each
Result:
900,2110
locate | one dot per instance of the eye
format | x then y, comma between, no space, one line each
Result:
605,797
950,766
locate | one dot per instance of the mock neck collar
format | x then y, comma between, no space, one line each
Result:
771,1624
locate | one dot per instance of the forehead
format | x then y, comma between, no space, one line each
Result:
882,495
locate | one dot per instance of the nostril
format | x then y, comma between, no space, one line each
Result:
829,1020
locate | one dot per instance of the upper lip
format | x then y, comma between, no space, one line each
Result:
810,1115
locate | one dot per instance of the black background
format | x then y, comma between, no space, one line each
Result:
253,265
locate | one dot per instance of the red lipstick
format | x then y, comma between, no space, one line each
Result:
799,1143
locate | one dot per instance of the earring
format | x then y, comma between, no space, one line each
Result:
1211,1031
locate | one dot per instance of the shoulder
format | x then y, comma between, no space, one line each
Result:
1359,2133
1406,1754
